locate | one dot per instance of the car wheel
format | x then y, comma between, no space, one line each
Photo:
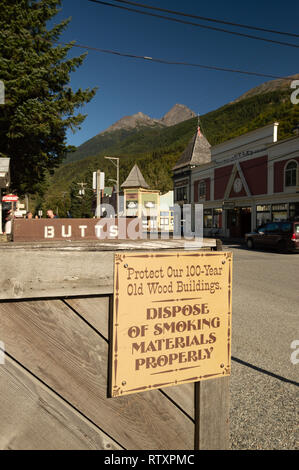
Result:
250,243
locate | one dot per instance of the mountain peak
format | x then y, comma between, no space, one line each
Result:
266,87
178,113
131,122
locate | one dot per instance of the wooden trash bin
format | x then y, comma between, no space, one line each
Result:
55,300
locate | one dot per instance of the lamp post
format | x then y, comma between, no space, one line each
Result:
115,162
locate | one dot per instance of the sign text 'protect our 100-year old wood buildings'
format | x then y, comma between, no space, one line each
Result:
171,321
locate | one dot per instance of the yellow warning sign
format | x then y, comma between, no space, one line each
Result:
171,319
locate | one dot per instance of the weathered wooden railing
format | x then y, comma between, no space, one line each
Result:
54,314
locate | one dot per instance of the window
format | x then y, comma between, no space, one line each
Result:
217,218
294,210
181,193
207,218
286,227
272,228
279,212
164,221
290,178
263,214
201,189
264,208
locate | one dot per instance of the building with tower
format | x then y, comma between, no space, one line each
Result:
242,183
141,201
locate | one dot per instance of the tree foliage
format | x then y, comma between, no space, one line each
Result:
82,198
40,106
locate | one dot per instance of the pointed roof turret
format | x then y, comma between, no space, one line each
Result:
135,179
197,152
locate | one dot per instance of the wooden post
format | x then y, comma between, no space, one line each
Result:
212,414
212,410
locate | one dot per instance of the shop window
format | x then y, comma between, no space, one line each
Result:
264,208
290,175
217,218
207,218
263,214
262,218
164,221
294,210
164,218
279,212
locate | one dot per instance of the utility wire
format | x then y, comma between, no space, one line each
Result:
170,62
214,20
248,36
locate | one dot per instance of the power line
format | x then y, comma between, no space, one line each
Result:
214,20
248,36
172,62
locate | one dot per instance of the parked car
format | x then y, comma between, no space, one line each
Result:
283,236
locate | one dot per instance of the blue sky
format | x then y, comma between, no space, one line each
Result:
127,86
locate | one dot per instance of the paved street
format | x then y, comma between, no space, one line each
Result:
264,402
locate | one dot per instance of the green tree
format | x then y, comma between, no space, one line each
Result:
40,106
82,198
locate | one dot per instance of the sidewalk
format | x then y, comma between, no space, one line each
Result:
4,238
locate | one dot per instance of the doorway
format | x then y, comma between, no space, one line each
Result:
239,221
245,220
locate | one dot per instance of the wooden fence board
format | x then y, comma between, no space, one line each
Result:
95,311
183,395
69,356
29,274
34,418
67,269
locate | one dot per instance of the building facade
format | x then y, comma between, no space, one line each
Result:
244,182
140,201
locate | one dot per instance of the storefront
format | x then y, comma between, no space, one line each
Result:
249,180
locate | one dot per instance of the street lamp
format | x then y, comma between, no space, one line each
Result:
116,164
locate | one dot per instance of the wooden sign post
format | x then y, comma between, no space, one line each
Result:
171,320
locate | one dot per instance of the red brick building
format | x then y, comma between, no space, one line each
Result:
242,182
